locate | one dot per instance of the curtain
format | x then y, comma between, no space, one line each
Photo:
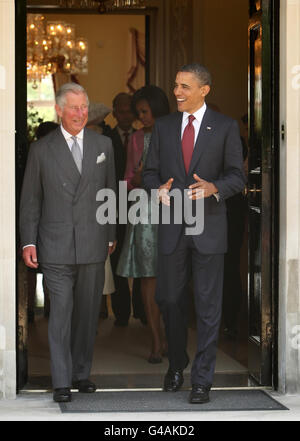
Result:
137,60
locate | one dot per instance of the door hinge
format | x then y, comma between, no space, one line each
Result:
282,132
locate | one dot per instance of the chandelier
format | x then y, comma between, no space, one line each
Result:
53,47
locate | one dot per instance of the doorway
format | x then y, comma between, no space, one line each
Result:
120,359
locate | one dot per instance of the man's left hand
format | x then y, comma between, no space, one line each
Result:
111,248
202,189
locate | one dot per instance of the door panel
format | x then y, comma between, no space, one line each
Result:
262,205
21,155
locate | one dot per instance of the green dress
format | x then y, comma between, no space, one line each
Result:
139,253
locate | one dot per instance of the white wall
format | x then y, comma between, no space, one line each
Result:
7,202
289,286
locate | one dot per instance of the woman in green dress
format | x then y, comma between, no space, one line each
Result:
138,257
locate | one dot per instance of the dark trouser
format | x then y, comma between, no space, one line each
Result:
174,273
121,300
75,295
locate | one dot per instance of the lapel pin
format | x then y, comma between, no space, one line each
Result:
208,128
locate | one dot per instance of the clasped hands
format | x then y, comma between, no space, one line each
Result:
201,189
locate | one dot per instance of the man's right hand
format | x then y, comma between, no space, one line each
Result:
30,257
163,192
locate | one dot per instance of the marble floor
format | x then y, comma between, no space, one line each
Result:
120,358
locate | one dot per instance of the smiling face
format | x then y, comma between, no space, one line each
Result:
189,92
74,114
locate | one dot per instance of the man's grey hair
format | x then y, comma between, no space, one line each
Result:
200,72
60,97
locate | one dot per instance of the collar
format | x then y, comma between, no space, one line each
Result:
67,135
198,114
122,132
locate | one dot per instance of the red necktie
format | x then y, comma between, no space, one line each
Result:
188,141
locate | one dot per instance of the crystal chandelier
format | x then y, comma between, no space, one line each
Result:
53,47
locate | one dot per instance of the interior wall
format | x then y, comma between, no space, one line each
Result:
221,44
289,263
7,202
109,48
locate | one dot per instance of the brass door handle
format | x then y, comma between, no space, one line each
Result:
253,190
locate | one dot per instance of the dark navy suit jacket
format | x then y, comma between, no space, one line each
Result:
217,158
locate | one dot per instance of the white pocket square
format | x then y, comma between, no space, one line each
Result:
101,158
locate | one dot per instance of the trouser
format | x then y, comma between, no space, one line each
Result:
174,272
75,294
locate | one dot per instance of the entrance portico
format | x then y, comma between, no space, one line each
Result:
288,334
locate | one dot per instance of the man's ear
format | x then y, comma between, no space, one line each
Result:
58,110
205,90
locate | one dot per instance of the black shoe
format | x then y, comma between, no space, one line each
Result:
84,386
199,394
62,395
173,380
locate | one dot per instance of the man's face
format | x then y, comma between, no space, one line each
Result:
189,93
74,114
124,115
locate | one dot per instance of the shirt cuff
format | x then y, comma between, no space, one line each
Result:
217,196
30,245
110,244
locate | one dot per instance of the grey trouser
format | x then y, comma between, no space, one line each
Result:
75,294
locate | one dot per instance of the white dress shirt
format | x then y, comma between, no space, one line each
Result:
199,115
69,140
122,133
196,123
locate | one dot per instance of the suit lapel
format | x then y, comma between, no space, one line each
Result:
178,143
63,157
205,132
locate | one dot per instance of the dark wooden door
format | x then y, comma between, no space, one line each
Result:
21,155
263,141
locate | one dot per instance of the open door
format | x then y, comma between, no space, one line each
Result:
263,142
21,154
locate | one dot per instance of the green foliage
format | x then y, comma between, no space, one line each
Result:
33,121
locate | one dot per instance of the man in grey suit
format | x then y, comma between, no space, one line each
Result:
59,232
198,150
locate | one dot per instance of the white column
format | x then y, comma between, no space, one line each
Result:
289,282
7,202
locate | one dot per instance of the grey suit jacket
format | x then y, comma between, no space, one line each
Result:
217,158
58,205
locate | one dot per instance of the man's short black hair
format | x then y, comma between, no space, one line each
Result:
199,71
121,98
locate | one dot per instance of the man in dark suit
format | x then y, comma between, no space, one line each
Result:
200,150
121,300
60,233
